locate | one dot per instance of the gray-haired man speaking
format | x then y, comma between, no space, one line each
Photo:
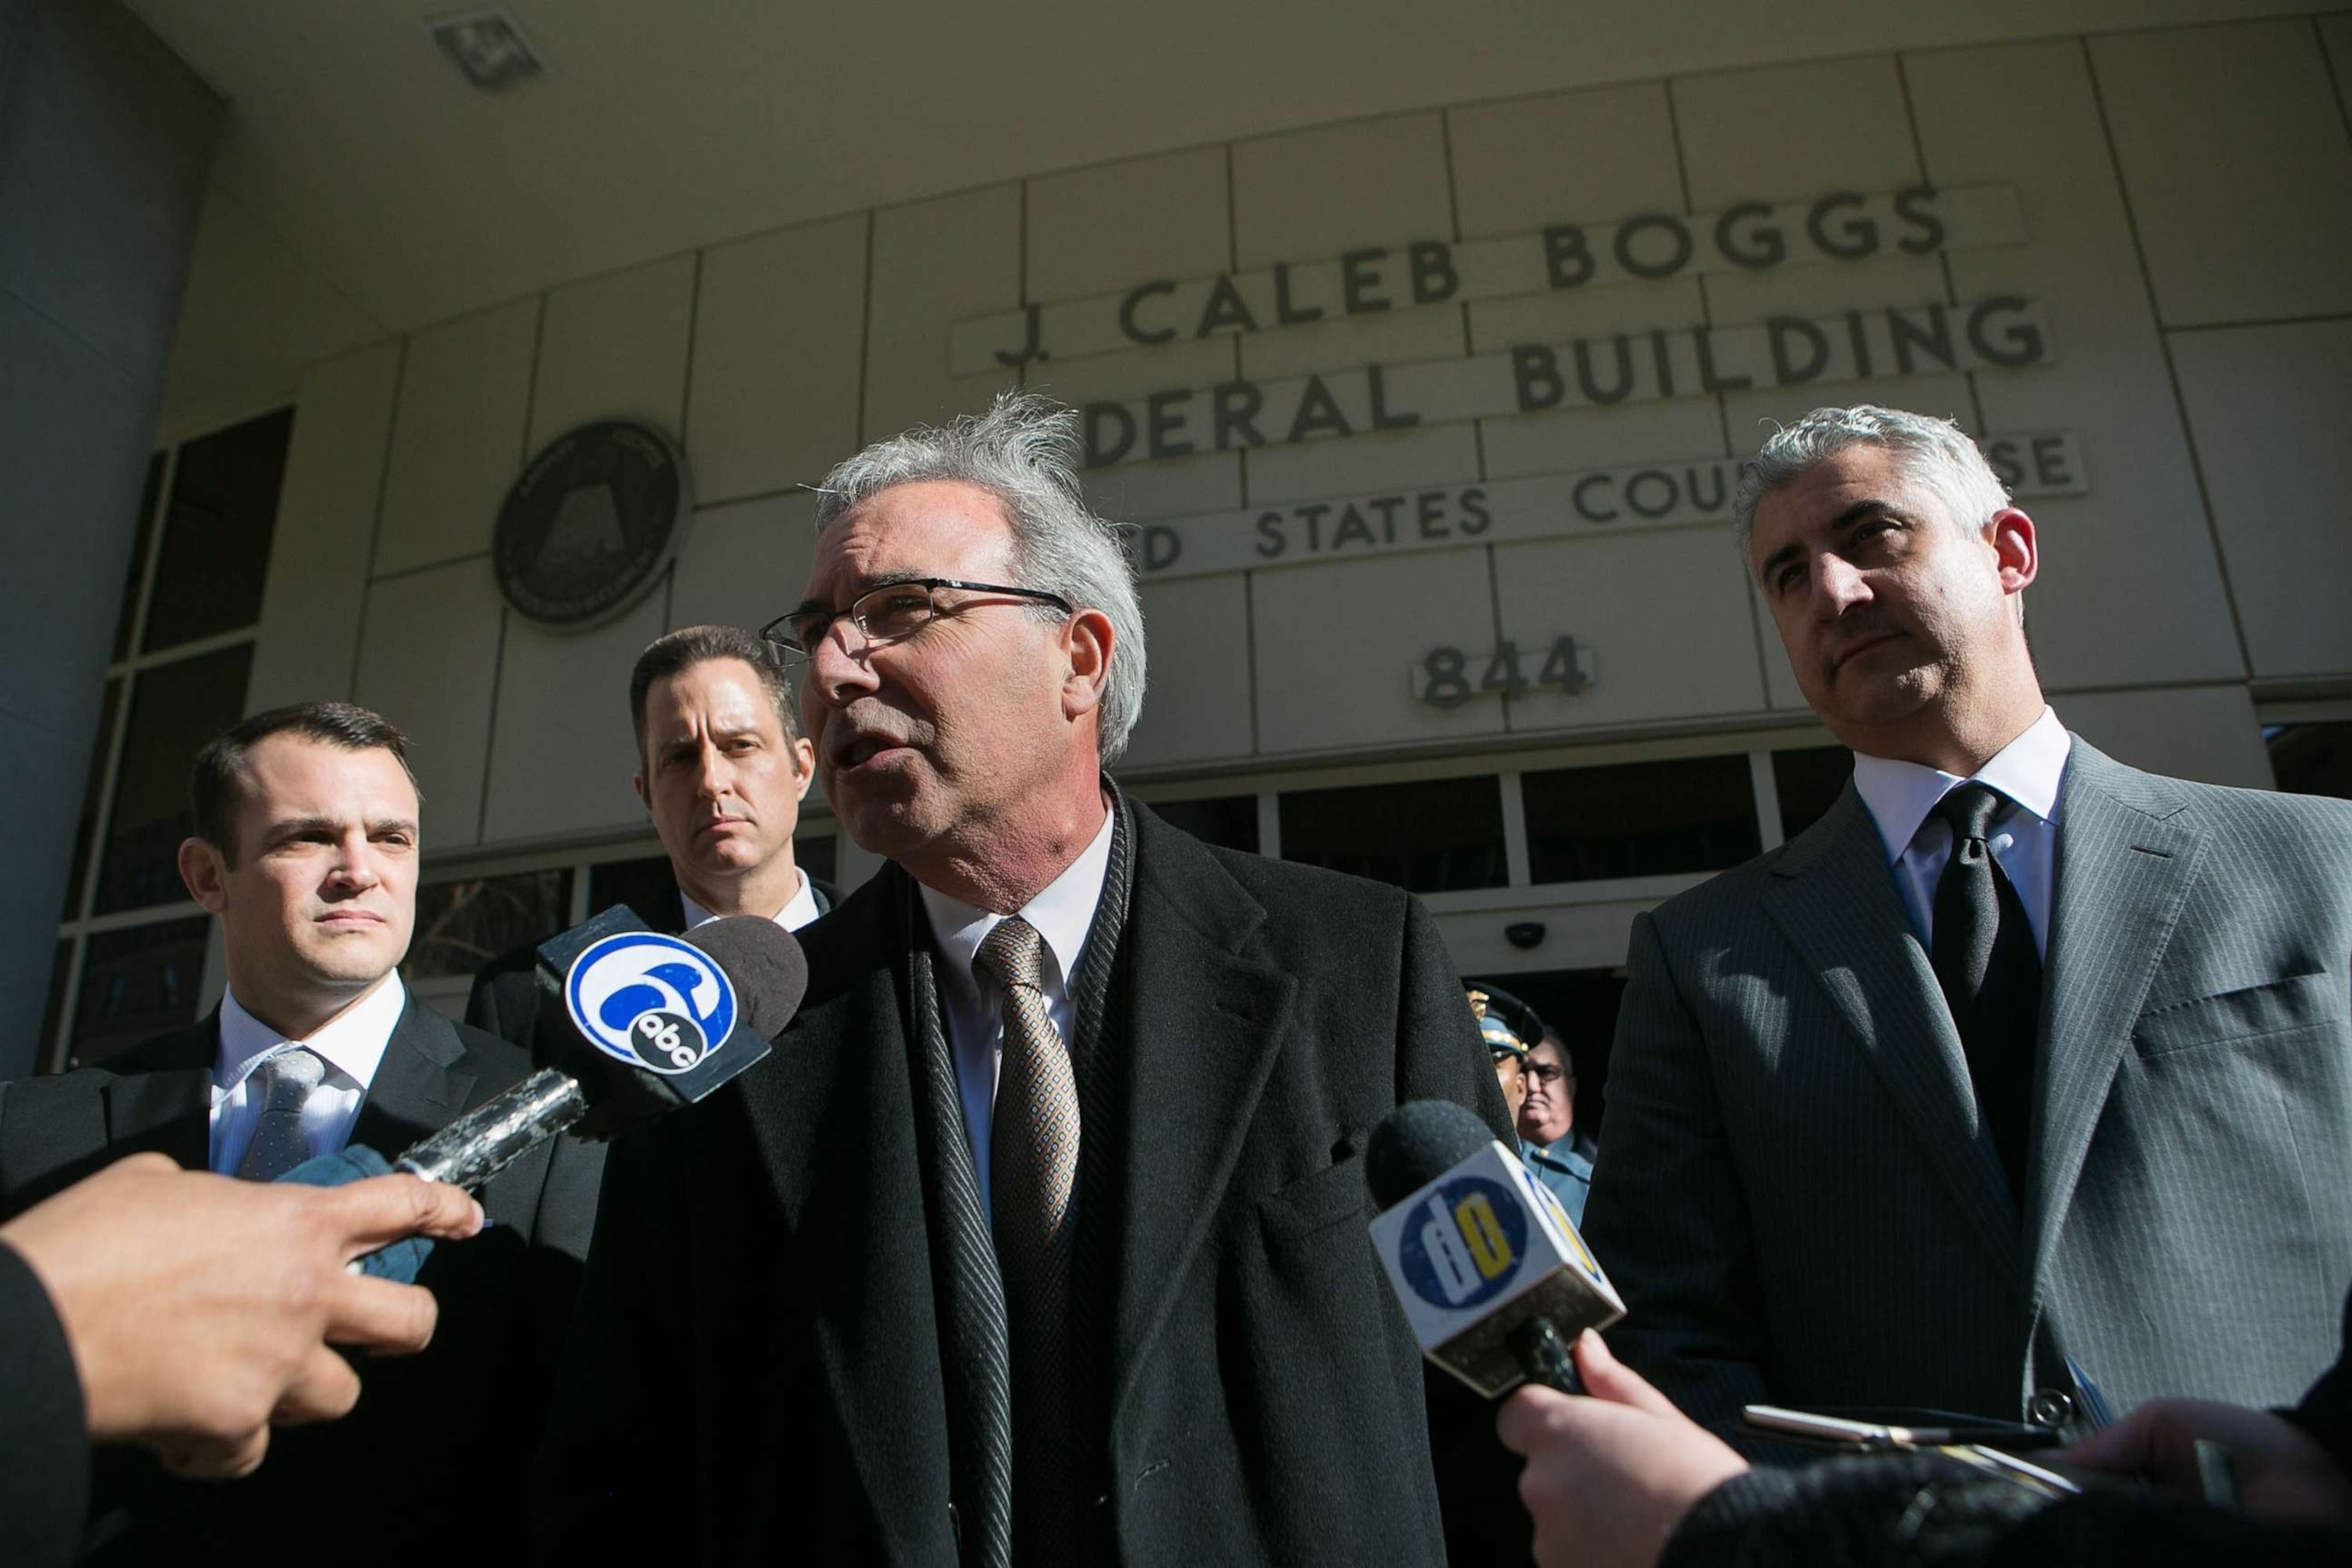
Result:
1041,1237
2019,1060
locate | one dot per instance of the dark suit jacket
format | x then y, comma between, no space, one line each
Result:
505,997
1800,1205
414,1468
44,1441
757,1371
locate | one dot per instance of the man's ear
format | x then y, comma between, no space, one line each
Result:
206,874
804,764
1088,636
2016,552
637,782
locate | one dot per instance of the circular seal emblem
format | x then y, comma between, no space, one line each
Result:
589,526
1466,1243
649,1000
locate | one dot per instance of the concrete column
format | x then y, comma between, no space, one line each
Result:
105,137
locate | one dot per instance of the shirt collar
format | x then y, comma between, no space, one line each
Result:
797,911
2027,770
1063,915
352,1043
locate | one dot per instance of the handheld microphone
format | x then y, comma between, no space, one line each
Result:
1490,1270
631,1024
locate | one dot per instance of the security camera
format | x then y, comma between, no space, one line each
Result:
1524,934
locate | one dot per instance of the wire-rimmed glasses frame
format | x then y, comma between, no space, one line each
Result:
886,613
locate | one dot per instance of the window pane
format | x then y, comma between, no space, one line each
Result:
136,983
647,886
464,924
146,533
816,856
1640,819
174,710
58,968
1228,820
1432,836
2313,759
92,783
216,532
1809,781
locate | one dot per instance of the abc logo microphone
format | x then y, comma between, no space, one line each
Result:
1491,1272
631,1024
650,1000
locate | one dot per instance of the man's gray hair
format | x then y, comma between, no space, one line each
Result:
1026,451
1935,453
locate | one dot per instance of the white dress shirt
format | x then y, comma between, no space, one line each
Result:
1902,799
352,1046
792,917
972,1005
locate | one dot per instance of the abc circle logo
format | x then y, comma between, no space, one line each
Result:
1465,1243
651,1001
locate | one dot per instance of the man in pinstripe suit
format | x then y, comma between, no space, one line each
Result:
2018,1058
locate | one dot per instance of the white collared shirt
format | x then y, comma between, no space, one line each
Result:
792,917
352,1044
972,1005
1902,798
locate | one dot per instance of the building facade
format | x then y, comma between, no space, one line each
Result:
1425,423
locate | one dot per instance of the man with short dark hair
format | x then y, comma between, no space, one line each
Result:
1041,1237
2018,1074
721,768
306,849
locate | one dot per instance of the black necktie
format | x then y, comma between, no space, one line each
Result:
1992,974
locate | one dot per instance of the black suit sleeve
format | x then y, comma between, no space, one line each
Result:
44,1440
1440,1056
623,1378
1922,1510
1667,1217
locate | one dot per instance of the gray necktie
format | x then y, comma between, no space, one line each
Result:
1034,1167
283,1084
1033,1148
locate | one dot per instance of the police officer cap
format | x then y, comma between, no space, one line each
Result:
1510,1024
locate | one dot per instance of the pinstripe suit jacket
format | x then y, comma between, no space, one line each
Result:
1799,1204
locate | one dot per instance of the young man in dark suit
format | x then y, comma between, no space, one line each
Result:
1041,1237
2019,1061
306,848
721,769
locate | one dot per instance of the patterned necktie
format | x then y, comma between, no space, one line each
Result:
1991,973
284,1083
1033,1172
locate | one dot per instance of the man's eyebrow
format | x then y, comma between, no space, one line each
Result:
1868,507
860,586
394,825
1778,559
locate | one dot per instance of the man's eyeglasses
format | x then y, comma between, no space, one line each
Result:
884,615
1546,1072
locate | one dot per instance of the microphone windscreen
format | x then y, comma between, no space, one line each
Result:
767,966
357,1163
1417,1142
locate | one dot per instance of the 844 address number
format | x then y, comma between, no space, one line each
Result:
1448,677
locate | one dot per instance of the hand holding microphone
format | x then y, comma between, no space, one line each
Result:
199,1310
1611,1474
632,1024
